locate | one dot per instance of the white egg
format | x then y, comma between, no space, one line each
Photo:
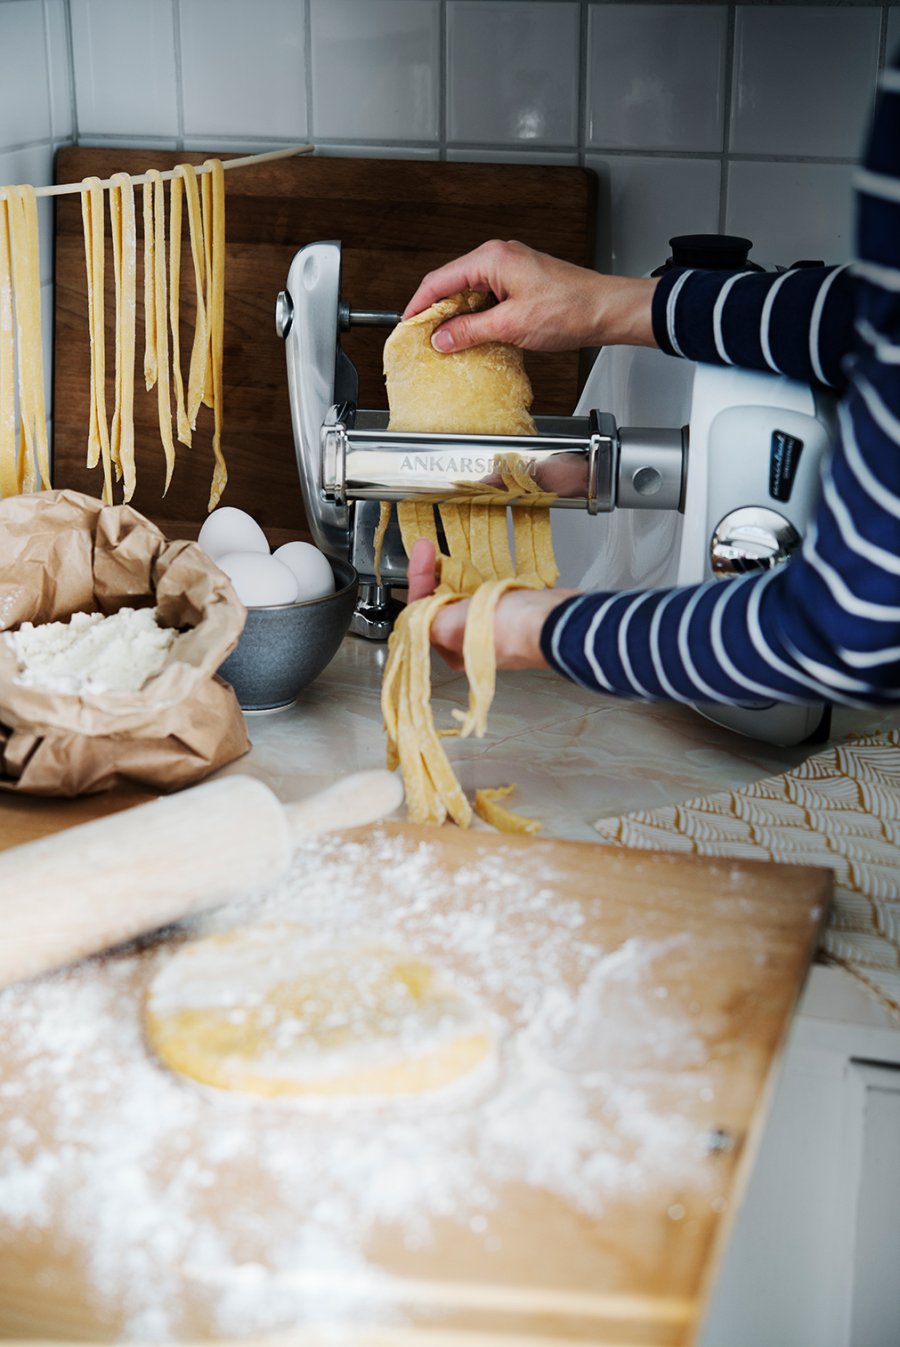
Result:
315,578
259,580
230,530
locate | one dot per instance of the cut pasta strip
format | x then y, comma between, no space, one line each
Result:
479,655
384,518
206,202
163,385
98,429
200,348
214,237
416,520
505,820
150,370
9,455
456,523
34,458
431,786
176,194
124,239
532,535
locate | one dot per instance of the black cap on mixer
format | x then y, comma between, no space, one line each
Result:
710,252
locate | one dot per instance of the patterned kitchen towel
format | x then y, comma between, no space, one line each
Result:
839,809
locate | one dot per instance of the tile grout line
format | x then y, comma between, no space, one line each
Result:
178,56
727,94
306,18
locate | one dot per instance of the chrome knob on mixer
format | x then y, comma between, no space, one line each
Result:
749,539
284,312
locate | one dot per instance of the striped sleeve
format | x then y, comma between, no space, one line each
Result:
826,625
797,323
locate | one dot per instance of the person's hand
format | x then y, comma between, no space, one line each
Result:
518,619
543,303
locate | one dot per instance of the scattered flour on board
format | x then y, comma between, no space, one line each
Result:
91,652
185,1211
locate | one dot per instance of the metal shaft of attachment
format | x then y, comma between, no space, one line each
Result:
348,317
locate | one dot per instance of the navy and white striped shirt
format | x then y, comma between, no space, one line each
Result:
826,625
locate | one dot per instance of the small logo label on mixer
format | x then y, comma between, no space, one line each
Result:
784,460
475,467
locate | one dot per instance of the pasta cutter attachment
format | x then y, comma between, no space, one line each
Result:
349,462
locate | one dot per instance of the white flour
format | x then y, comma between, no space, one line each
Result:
187,1212
92,653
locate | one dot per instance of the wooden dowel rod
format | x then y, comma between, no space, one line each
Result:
63,189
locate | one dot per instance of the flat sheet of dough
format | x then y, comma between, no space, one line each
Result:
482,391
268,1011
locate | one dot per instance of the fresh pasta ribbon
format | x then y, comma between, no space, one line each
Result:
160,307
532,536
200,348
9,452
124,241
92,217
150,370
381,528
176,193
213,197
33,458
488,807
480,567
479,656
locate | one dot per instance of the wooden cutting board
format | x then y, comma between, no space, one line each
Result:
396,219
583,1194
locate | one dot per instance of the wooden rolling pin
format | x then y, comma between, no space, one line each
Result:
102,883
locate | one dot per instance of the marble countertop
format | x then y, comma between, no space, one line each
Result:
575,757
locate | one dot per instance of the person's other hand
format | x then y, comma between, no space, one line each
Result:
543,303
518,620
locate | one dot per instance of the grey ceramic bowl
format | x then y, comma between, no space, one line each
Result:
285,646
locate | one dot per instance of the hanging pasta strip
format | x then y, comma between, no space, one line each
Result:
416,520
446,788
479,653
381,528
92,207
163,387
34,459
124,237
455,521
176,193
532,535
206,199
200,348
480,540
115,235
216,317
87,219
150,370
423,806
42,448
9,456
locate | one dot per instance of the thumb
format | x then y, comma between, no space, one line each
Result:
469,329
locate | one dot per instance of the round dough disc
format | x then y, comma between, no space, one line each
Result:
267,1010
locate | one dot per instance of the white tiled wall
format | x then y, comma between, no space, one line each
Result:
695,117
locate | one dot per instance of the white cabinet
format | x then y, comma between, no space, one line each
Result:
814,1257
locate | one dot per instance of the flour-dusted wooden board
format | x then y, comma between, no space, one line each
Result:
582,1194
396,219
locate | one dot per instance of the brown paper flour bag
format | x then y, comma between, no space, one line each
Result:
62,552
